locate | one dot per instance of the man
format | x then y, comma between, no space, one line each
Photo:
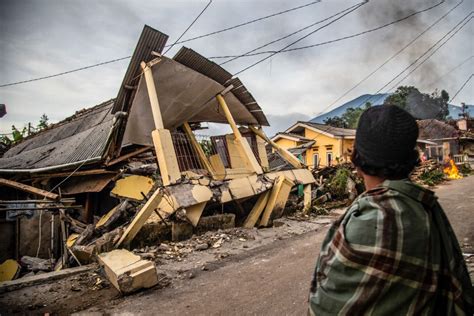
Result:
393,252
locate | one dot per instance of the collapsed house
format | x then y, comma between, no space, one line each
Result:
137,163
444,141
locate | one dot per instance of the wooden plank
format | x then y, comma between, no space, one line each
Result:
244,146
140,218
133,187
257,209
198,148
127,156
166,156
218,166
295,162
193,213
235,154
262,153
28,188
277,200
153,96
75,174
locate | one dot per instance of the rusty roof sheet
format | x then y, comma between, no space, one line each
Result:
201,64
79,138
150,41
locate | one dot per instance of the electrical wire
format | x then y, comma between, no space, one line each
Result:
249,22
337,39
234,57
429,56
461,88
450,71
301,38
463,22
390,58
179,42
190,25
64,73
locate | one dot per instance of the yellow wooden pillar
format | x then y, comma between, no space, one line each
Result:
244,147
162,141
295,162
198,148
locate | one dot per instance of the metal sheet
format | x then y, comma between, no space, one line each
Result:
77,138
184,95
150,40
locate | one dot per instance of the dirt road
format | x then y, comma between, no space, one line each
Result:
275,279
457,199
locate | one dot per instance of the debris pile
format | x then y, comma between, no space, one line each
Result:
336,186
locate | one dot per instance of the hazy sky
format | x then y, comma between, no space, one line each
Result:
39,38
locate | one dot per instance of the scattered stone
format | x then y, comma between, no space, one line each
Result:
201,247
278,223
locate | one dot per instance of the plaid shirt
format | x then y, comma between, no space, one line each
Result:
392,253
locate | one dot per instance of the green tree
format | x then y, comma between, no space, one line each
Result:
335,121
348,119
399,97
420,101
43,122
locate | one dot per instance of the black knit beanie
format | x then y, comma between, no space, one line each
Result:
385,135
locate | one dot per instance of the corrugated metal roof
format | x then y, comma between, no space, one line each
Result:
201,64
81,137
151,40
247,99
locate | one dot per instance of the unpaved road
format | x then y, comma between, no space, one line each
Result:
457,199
272,280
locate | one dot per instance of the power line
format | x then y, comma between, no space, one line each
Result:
65,72
450,71
337,39
179,42
285,37
190,25
461,88
249,22
392,57
301,38
429,56
463,22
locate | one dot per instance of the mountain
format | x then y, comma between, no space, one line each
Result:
378,99
375,99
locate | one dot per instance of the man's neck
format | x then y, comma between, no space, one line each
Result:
372,181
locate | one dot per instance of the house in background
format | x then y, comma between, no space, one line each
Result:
443,138
330,145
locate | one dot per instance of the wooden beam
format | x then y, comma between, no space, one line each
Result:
217,166
127,156
140,218
295,162
257,209
277,200
75,174
166,156
193,213
244,146
28,188
152,95
198,149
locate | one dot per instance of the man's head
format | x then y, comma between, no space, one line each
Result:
385,142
